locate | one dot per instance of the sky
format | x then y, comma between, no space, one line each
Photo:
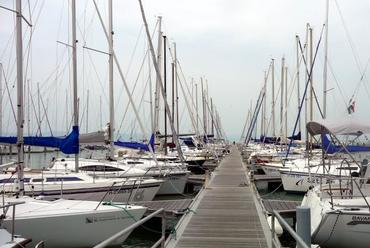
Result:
228,42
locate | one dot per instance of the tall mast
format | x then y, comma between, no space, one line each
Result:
204,108
212,119
196,107
20,107
87,111
273,95
173,89
74,74
326,59
151,96
1,109
110,64
263,127
177,90
306,78
282,99
298,82
311,79
100,116
67,123
158,76
165,91
286,103
39,107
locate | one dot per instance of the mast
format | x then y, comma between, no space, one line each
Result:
326,59
1,110
87,111
101,118
158,76
286,104
306,78
212,119
177,90
282,99
165,91
39,108
311,81
20,107
196,107
151,95
173,90
67,124
28,94
263,124
74,74
110,64
298,82
203,107
273,95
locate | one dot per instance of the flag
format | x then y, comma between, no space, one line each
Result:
351,107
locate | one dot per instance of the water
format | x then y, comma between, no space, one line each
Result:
279,194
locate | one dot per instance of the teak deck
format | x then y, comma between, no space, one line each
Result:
224,214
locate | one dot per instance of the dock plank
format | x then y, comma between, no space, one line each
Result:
224,213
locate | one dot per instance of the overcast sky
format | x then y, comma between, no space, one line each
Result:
229,42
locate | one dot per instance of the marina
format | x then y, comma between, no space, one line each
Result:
126,124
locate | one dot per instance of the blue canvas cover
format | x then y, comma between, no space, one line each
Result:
330,148
136,145
68,144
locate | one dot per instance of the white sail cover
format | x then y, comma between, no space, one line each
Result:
339,127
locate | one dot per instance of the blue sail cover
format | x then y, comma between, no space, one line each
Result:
136,145
331,148
68,144
206,137
188,141
269,140
298,136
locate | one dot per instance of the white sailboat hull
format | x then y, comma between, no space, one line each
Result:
69,224
343,229
130,193
302,181
173,184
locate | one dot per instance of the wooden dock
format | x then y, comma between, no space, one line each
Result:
225,213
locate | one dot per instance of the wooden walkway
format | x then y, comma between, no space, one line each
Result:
224,214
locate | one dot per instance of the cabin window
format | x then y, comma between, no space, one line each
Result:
134,162
100,168
7,180
37,180
64,179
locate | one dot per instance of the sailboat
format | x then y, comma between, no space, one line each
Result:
340,210
61,223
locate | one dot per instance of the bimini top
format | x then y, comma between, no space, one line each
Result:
339,127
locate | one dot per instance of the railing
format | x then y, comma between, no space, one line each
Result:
116,236
300,242
5,208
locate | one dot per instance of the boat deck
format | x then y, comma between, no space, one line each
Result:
224,213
